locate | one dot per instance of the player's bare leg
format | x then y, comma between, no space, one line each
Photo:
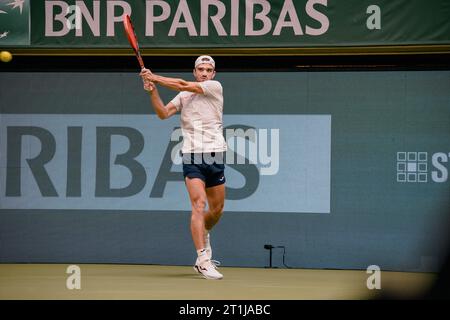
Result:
197,195
216,199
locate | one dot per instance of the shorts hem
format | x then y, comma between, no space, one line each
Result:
193,176
214,184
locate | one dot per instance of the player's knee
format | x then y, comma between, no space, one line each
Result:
217,210
199,205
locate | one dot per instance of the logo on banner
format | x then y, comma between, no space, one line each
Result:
414,167
14,22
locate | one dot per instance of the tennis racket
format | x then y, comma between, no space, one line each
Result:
132,39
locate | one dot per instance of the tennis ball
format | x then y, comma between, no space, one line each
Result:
5,56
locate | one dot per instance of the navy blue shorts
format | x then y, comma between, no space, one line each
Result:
206,166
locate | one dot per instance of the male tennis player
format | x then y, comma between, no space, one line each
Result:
201,106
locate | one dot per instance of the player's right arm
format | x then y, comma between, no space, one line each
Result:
163,111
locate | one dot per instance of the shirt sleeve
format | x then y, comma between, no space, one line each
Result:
212,88
177,102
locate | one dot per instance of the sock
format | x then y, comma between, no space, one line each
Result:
201,253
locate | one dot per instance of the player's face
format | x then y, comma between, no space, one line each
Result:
204,72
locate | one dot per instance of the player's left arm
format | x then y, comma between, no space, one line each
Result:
172,83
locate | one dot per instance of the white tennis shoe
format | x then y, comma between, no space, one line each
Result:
207,269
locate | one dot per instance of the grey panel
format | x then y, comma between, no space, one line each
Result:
374,218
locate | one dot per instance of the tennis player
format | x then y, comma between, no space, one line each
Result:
201,106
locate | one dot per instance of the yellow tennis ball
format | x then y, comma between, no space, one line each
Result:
5,56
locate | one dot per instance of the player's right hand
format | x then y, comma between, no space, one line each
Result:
146,75
145,72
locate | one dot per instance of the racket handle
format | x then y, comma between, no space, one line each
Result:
141,62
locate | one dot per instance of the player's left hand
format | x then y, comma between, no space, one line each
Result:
149,86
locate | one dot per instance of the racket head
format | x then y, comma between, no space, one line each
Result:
132,38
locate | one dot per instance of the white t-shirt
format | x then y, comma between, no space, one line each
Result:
201,118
